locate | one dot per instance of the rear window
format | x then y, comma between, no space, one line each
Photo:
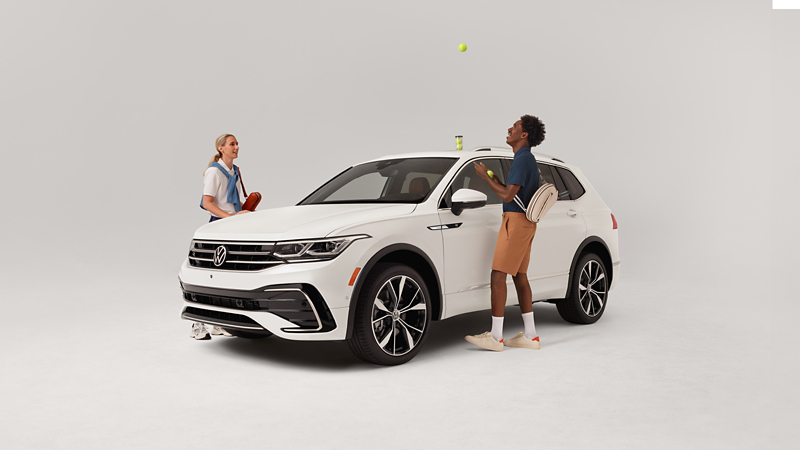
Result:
574,186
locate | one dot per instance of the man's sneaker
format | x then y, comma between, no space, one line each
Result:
217,331
522,342
199,332
486,340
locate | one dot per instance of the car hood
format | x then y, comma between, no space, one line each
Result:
297,222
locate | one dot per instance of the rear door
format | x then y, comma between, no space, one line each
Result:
558,236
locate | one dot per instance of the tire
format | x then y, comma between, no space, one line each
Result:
584,305
386,331
248,334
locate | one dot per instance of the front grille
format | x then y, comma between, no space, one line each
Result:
300,304
242,256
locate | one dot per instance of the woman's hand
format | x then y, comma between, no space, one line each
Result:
242,212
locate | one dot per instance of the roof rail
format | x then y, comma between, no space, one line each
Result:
556,159
483,149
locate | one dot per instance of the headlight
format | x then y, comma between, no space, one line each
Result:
314,249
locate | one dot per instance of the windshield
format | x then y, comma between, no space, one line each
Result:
408,180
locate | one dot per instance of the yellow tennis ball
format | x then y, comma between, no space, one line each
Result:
459,147
462,47
490,173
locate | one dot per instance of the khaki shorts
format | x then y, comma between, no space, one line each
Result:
512,253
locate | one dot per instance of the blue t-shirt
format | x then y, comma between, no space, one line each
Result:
525,173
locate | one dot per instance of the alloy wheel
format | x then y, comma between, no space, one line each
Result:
399,314
592,285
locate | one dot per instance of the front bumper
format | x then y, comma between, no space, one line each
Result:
292,311
210,296
300,304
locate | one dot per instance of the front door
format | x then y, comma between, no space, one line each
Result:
469,241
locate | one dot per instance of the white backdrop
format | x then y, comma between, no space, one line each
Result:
683,115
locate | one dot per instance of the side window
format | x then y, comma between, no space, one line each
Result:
506,167
545,175
468,178
575,188
550,175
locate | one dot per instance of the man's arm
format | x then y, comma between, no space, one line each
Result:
506,193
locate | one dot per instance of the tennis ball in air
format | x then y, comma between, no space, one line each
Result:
462,47
490,173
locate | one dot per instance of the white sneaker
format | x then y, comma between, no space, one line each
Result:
217,331
486,340
522,342
199,332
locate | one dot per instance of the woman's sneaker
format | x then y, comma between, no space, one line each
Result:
199,332
486,340
522,342
217,331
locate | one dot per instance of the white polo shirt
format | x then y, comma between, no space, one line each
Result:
215,184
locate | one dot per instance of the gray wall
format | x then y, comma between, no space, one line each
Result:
683,115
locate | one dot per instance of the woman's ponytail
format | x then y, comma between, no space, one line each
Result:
215,158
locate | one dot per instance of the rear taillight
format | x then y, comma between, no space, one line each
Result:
614,220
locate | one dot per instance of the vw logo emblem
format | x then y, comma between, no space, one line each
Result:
219,255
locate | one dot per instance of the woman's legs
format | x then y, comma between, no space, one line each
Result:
199,332
217,331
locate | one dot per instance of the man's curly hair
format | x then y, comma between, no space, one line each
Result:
535,129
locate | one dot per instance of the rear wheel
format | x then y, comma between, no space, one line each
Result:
588,291
248,334
392,315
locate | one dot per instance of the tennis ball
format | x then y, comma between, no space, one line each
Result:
462,47
490,173
459,147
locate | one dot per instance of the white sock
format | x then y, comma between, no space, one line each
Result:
497,328
530,328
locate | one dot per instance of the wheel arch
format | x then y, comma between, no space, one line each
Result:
405,254
596,245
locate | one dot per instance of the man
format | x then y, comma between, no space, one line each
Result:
513,249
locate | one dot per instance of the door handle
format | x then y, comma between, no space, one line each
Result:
572,213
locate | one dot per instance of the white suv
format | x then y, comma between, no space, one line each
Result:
383,248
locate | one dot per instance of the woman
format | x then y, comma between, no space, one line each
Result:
222,189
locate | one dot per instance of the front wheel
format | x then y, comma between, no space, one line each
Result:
392,315
588,291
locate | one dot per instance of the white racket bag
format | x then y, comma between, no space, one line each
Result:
541,202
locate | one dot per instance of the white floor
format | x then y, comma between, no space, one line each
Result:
666,367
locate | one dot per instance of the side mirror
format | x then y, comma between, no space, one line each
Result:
467,199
